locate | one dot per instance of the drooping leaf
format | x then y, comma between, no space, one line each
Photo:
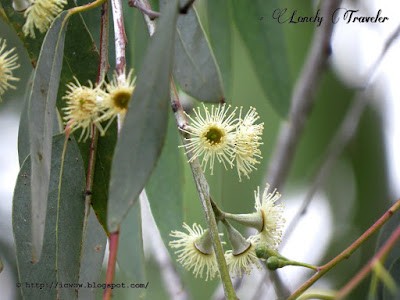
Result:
92,257
164,188
130,257
64,225
195,68
220,32
264,39
23,129
142,135
42,109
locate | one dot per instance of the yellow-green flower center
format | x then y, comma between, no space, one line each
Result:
121,99
214,135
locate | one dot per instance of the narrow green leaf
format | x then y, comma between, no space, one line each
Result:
142,136
42,108
164,188
195,68
265,40
64,224
220,32
395,274
130,255
92,257
23,129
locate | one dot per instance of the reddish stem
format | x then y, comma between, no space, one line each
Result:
114,237
378,257
346,253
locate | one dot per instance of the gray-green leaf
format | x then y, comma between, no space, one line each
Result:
265,40
42,108
142,135
195,68
62,244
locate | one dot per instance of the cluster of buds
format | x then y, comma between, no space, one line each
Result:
87,105
197,253
220,135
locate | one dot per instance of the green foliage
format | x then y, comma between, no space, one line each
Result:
62,244
145,123
195,68
42,108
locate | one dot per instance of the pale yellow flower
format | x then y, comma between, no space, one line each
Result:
272,216
212,136
196,252
41,14
119,92
244,261
82,108
247,142
8,62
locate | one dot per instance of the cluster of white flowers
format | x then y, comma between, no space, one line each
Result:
8,62
197,253
220,135
87,105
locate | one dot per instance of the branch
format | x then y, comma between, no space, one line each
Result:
378,257
303,98
151,13
348,252
102,70
343,135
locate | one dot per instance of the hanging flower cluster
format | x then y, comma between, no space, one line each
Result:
222,136
40,14
196,249
87,105
8,62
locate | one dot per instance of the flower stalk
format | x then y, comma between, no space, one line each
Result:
348,252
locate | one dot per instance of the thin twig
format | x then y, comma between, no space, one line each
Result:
385,249
102,70
120,38
151,13
151,25
303,98
112,258
348,252
342,137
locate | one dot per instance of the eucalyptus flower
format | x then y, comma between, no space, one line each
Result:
41,14
243,261
8,62
119,92
247,142
197,252
212,136
82,108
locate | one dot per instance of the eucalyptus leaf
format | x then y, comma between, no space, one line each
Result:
195,68
394,272
164,188
142,135
130,255
62,244
220,32
92,257
42,109
265,40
